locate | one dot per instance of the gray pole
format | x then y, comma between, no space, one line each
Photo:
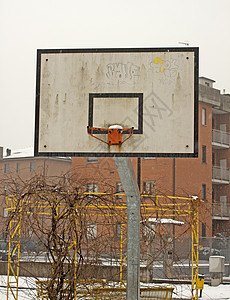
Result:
129,182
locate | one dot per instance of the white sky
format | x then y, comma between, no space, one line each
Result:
27,25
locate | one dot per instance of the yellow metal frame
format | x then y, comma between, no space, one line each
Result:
15,213
123,240
195,247
186,207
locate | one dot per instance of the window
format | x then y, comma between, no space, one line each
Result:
149,187
204,191
6,168
91,231
203,230
6,190
148,231
5,235
203,116
18,168
203,154
92,159
213,159
119,190
207,83
30,233
32,166
213,194
91,188
118,230
5,212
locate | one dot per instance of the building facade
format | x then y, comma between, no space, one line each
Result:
17,168
207,176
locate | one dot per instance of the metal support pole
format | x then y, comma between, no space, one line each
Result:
174,194
168,253
129,182
139,172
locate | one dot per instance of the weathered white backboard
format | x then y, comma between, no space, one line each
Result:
153,90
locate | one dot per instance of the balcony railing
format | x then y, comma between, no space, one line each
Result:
220,174
221,137
221,210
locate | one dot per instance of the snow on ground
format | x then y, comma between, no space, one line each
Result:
28,293
221,292
209,292
217,292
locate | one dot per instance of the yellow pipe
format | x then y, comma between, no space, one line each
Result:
159,209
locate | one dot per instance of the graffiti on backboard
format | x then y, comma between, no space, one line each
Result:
122,71
168,68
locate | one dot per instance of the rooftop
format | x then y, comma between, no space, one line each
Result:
20,153
24,153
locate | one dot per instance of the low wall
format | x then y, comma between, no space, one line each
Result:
44,269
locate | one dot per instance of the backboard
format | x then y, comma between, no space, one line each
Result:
152,90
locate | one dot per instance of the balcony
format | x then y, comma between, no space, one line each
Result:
220,175
220,211
220,139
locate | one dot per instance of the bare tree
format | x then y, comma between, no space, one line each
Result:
57,221
79,232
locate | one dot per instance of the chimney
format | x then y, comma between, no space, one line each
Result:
1,152
8,152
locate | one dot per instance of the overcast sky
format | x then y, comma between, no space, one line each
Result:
28,25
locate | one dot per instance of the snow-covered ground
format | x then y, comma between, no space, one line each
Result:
221,292
209,292
218,292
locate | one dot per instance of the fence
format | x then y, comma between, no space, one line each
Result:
214,246
220,174
221,137
182,263
109,264
208,246
221,210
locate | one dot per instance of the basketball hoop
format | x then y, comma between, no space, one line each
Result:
114,134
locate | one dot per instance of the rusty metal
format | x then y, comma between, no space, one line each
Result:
114,134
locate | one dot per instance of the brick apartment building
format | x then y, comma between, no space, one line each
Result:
207,176
19,166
